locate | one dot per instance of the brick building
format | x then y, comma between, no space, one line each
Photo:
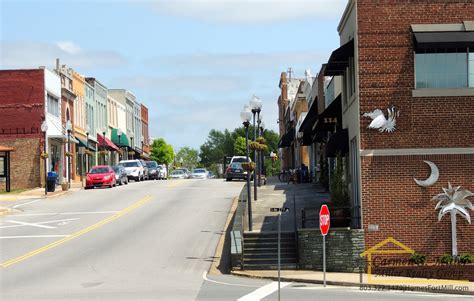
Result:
27,99
145,131
416,57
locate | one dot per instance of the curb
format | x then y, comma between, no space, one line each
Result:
351,284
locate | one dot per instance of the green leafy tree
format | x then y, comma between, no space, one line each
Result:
218,145
188,157
239,146
162,152
271,137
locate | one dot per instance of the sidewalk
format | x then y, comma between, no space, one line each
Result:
277,194
298,196
8,200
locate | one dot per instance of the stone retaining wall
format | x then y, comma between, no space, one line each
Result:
343,247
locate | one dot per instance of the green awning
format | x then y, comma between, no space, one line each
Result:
83,143
123,138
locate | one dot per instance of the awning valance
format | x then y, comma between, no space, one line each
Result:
338,143
329,118
445,39
89,146
123,141
287,139
339,59
106,143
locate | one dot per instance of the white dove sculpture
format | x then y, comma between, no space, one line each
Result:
380,122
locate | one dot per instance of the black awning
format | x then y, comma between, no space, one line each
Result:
287,139
447,39
310,118
338,143
320,137
330,118
339,59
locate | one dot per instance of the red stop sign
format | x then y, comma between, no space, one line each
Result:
324,219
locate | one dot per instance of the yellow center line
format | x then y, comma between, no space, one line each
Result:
54,244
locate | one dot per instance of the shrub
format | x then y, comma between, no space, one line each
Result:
466,258
417,258
446,259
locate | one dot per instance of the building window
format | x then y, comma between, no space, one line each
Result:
444,68
471,68
53,105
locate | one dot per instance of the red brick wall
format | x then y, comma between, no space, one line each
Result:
390,197
386,76
405,211
21,103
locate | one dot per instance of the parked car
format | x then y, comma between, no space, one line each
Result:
178,174
186,171
153,172
235,171
120,174
163,172
211,175
134,169
199,173
99,176
146,175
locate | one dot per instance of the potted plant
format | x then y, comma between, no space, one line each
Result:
64,185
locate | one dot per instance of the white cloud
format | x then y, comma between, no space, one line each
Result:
69,47
250,11
34,54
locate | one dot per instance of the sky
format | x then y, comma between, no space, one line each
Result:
193,63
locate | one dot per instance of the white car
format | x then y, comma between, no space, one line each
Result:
134,169
199,173
162,172
178,174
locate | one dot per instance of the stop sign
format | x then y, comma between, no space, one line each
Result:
324,220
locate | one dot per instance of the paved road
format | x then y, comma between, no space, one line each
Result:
144,241
151,240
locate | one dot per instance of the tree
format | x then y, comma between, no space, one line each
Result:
162,152
188,157
271,137
239,146
218,145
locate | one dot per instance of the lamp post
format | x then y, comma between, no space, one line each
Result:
255,106
87,147
131,141
143,142
69,153
103,144
119,134
261,154
44,129
245,115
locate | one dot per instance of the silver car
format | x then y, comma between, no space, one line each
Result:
199,173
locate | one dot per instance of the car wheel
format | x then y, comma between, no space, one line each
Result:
126,181
228,179
120,182
137,179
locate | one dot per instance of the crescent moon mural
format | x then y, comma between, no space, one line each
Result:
433,178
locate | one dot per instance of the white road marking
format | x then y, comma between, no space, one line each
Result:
23,204
66,213
263,292
34,236
30,224
204,276
40,224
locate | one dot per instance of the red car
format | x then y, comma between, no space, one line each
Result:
99,176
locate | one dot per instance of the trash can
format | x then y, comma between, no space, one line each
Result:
51,181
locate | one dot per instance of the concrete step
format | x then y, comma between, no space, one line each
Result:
291,266
257,250
269,256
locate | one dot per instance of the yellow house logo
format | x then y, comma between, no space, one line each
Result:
397,248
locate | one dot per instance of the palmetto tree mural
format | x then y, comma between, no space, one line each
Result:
454,201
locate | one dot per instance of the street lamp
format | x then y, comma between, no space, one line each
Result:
69,153
88,129
261,126
119,134
143,142
256,107
44,129
104,144
131,142
245,115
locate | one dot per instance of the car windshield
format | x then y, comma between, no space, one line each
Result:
199,171
97,170
177,172
236,165
130,164
151,164
116,168
239,160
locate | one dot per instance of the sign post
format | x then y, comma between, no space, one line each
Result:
324,218
279,210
